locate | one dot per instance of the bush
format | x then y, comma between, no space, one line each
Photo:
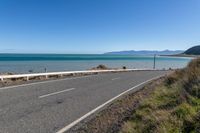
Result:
171,80
124,67
184,111
192,80
192,125
100,67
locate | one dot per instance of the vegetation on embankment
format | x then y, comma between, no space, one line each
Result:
172,107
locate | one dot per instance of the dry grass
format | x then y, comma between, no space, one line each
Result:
173,107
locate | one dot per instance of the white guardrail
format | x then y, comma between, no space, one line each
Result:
27,76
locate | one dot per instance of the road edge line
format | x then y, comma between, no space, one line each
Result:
69,126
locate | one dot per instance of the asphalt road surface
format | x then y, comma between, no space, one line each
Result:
50,106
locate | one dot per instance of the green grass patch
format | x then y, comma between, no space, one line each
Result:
173,107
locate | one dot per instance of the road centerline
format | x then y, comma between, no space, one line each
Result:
116,78
55,93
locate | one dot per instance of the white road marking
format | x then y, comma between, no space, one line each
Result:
42,82
116,78
66,128
55,93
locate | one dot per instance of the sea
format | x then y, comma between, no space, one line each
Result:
35,63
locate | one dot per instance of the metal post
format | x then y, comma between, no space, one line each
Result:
45,69
154,63
1,78
27,78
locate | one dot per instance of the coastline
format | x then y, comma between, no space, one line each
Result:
182,55
26,63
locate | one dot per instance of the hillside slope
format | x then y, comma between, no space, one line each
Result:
193,51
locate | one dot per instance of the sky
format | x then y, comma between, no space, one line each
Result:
97,26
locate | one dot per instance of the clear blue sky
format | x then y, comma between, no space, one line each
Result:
97,26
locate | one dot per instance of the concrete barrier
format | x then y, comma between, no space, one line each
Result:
27,76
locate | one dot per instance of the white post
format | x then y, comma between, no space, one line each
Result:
27,78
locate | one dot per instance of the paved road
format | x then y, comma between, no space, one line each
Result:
49,106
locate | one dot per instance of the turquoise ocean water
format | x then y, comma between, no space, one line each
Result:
23,63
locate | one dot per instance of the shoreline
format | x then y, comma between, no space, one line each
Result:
182,55
36,64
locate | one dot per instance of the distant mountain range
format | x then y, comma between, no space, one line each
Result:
147,52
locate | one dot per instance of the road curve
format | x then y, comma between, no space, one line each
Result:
48,107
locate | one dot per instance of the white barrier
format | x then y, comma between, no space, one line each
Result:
27,76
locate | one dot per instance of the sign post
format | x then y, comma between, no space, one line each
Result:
154,62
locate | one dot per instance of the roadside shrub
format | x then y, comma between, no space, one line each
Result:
173,107
193,125
124,67
192,80
100,67
170,80
184,111
150,126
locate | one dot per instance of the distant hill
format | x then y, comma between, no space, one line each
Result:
193,51
147,52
